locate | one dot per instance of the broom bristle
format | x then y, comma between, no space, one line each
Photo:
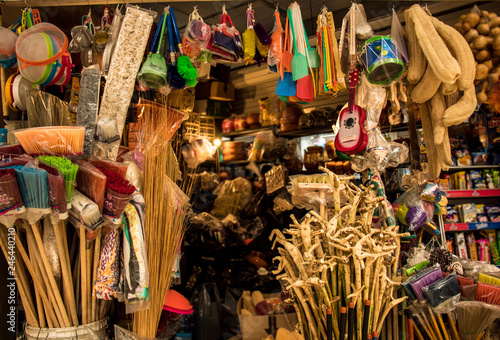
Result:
429,276
11,197
34,187
10,151
52,140
91,182
57,189
67,169
488,293
489,278
118,193
116,167
442,290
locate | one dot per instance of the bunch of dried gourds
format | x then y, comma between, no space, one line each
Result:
332,262
442,68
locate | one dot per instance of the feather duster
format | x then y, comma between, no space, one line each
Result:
261,33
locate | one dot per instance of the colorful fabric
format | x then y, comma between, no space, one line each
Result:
106,286
135,266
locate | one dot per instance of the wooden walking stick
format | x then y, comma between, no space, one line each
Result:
83,266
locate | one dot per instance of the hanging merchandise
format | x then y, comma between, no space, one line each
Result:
277,42
122,74
88,105
106,286
113,32
42,64
89,53
196,35
351,137
101,36
286,86
301,69
184,66
7,48
154,69
16,93
225,42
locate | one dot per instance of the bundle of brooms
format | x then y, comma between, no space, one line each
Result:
166,207
342,262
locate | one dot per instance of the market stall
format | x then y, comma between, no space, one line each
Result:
251,170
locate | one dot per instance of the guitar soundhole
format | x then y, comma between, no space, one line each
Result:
349,123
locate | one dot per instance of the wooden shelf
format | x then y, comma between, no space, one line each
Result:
247,132
471,226
305,132
472,193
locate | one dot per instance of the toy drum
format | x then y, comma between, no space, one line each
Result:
382,60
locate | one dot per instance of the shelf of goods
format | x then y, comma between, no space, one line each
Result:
471,226
472,193
307,132
473,167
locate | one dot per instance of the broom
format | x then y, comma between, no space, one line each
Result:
11,196
489,278
488,293
58,200
118,193
442,295
165,208
33,185
118,168
91,182
52,140
68,170
474,317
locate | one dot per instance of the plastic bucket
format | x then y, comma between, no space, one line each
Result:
18,88
7,47
38,49
91,331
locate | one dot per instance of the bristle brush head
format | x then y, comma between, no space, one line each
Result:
428,278
442,290
34,187
9,190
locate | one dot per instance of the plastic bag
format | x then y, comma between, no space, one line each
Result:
275,179
106,285
198,152
397,34
474,317
277,42
225,40
282,203
88,105
50,246
443,294
45,109
230,323
208,316
134,173
311,191
233,195
135,263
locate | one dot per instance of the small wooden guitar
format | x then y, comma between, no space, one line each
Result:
352,137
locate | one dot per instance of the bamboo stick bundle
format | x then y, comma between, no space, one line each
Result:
343,261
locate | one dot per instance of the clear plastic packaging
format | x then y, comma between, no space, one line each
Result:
156,125
45,109
50,246
122,74
88,105
311,191
198,152
135,264
106,286
282,203
443,294
52,140
232,196
275,179
85,212
473,317
134,173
